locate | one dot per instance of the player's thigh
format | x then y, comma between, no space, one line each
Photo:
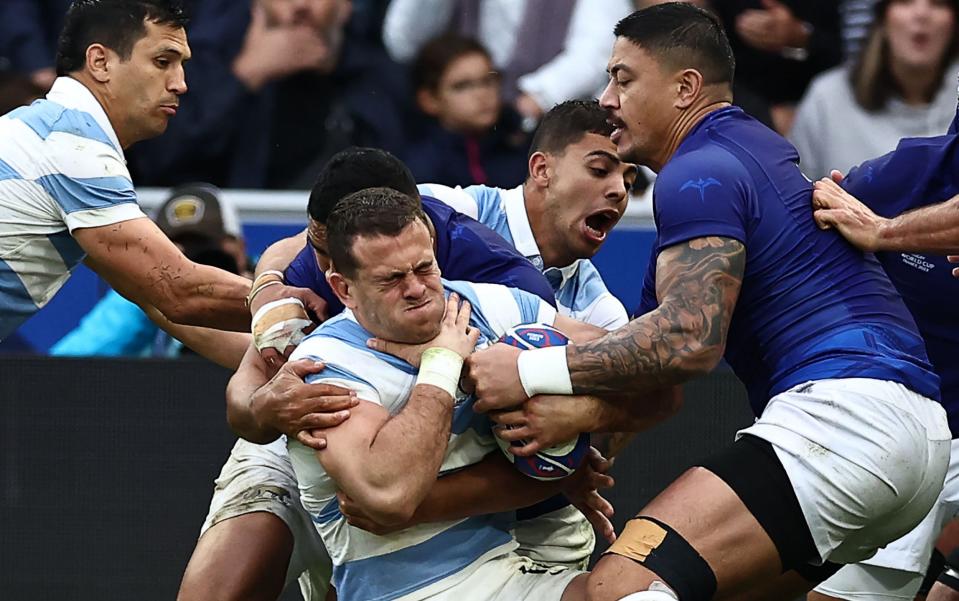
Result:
562,537
241,558
708,515
862,582
943,592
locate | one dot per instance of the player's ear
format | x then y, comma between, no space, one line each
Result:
689,85
539,169
98,62
341,287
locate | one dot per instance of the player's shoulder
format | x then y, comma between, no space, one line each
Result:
699,169
47,119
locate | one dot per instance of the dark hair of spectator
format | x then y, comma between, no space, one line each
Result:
356,169
437,55
682,36
17,90
369,212
871,75
117,24
567,123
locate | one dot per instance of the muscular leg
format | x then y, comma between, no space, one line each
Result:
711,517
576,589
244,558
941,592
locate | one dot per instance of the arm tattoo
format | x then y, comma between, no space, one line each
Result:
697,283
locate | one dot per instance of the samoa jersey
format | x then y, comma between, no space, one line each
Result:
811,306
921,171
580,291
61,168
427,558
465,250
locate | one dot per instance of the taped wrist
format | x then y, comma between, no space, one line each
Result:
279,324
544,371
440,367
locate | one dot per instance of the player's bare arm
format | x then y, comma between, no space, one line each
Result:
142,264
697,284
226,349
931,229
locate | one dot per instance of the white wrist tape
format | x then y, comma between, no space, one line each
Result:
440,367
544,371
279,324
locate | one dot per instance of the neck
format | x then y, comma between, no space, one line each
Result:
681,128
914,82
534,200
99,93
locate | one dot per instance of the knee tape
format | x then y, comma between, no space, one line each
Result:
666,553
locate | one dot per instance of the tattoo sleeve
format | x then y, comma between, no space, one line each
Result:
697,284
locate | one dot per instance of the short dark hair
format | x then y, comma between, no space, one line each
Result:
368,212
682,36
567,123
117,24
437,55
356,169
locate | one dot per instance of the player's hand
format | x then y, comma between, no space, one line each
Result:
356,517
545,421
835,208
282,326
456,335
772,28
582,490
836,176
494,376
302,411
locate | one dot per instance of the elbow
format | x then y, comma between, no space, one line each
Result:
388,507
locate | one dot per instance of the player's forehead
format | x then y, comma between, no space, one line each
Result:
380,255
164,38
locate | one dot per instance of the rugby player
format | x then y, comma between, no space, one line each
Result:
849,450
65,191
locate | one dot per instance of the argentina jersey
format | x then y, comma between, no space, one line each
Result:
61,168
580,291
427,557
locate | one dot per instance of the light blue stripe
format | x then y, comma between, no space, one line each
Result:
581,291
330,512
355,335
477,318
335,371
490,211
16,305
393,575
528,305
8,172
89,193
45,117
69,250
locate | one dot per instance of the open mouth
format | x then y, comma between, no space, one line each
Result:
598,224
619,127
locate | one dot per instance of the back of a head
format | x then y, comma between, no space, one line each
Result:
368,212
117,24
682,36
567,123
356,169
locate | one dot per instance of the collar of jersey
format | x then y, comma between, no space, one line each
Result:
72,94
518,221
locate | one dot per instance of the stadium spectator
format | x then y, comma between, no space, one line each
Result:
470,137
28,37
207,229
547,50
780,45
276,89
17,90
902,85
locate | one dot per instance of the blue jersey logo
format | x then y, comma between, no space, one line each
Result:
701,185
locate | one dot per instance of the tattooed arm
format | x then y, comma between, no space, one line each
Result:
697,283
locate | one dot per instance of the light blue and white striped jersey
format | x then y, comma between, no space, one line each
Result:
580,291
61,168
427,558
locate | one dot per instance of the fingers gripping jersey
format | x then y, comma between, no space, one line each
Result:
366,566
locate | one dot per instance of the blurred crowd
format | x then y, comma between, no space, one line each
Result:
455,87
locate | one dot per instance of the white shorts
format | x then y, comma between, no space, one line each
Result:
563,537
507,577
866,459
260,478
897,570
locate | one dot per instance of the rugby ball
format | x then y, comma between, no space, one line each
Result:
563,459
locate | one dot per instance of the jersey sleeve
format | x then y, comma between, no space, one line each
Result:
335,370
703,193
455,198
590,301
648,301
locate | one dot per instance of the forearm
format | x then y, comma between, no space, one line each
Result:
491,486
223,348
931,229
209,297
280,254
249,378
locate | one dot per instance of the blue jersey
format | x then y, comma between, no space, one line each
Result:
919,172
465,250
811,306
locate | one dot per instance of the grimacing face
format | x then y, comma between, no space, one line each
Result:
396,292
640,99
587,196
143,91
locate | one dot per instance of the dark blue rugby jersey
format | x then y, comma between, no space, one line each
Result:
919,172
465,250
811,306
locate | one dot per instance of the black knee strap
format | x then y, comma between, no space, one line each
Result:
666,553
